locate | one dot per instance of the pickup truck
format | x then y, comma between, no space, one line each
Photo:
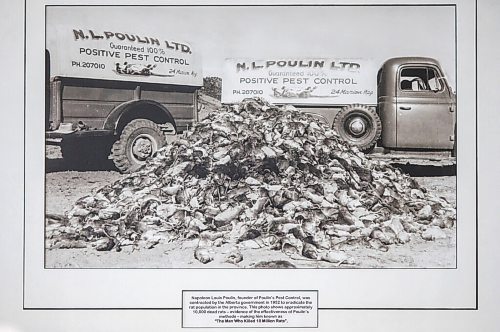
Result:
405,110
116,93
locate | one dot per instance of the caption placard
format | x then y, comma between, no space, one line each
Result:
249,309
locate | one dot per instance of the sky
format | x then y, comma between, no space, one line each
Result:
274,32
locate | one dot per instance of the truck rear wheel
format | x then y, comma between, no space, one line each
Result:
139,140
359,125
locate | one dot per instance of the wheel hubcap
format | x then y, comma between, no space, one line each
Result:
357,126
143,147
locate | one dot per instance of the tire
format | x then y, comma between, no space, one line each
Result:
139,140
359,125
85,153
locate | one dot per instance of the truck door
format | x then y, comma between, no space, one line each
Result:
425,109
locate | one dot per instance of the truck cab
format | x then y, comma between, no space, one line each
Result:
416,105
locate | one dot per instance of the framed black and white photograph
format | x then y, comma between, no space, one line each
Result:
250,165
236,149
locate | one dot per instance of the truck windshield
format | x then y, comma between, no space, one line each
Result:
419,79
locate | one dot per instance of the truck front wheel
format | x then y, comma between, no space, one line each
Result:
139,140
359,125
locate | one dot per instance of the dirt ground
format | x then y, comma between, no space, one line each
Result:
64,187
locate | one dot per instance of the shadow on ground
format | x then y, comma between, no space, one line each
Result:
418,170
60,165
